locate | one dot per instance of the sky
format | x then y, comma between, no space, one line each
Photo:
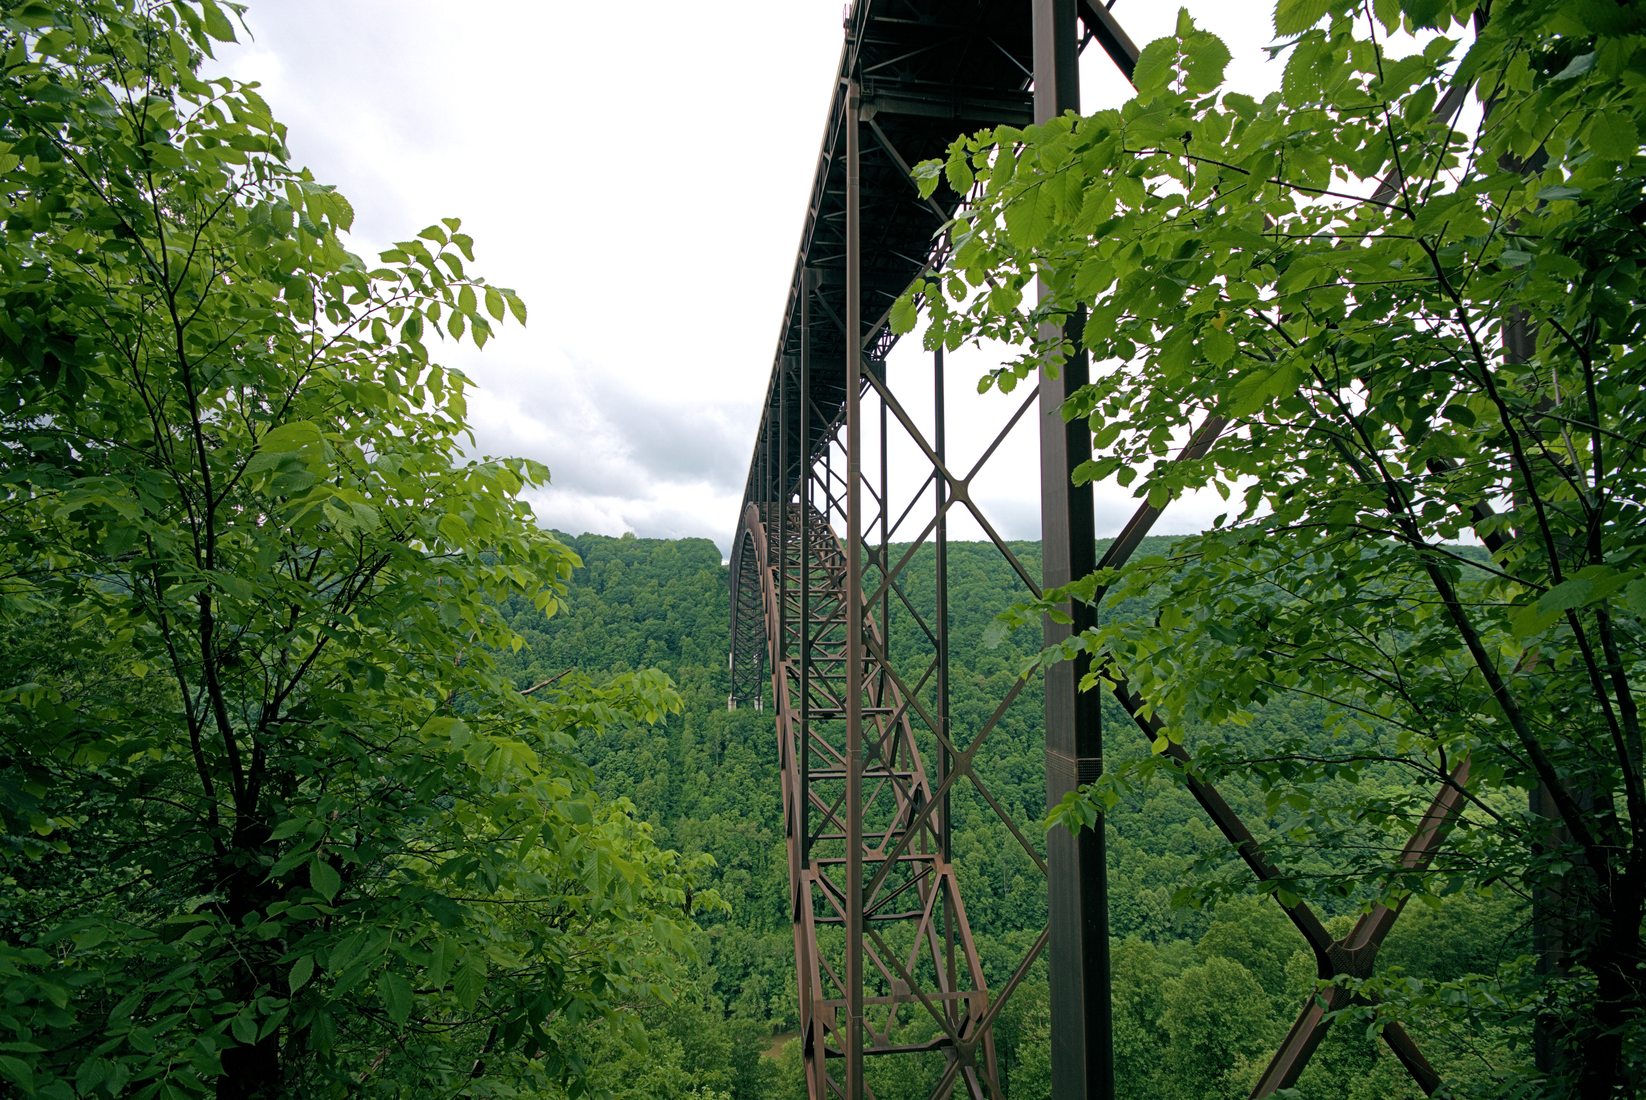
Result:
638,172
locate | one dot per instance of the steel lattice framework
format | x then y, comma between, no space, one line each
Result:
824,565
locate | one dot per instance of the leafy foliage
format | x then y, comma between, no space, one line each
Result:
291,778
707,780
274,822
1454,354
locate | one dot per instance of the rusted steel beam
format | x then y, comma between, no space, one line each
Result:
854,607
1101,24
916,948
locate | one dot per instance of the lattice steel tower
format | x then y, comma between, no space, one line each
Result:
825,566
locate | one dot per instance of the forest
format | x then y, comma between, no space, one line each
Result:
329,769
1206,982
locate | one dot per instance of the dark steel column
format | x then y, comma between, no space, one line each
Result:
885,569
1082,1055
940,537
828,483
806,287
854,609
800,878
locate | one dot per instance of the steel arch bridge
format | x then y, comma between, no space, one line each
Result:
824,569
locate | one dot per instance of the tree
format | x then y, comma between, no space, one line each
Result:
1216,1021
274,822
1456,354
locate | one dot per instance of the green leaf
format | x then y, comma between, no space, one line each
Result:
494,303
904,315
1555,192
1155,67
1218,345
1205,58
453,528
291,437
445,727
1029,217
1590,585
1426,14
244,1027
440,965
323,877
925,176
91,1075
396,994
1576,67
18,1072
1612,135
217,24
1459,414
471,979
1634,596
301,971
290,827
1297,16
958,170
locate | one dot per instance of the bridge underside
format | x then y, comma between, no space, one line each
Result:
828,565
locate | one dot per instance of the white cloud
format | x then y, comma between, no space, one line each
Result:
638,172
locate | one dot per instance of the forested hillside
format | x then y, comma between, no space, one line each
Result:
1203,991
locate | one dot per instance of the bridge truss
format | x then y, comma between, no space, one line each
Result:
829,561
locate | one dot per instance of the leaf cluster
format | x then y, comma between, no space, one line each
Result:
1409,324
273,820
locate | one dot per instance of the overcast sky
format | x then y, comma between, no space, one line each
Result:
639,173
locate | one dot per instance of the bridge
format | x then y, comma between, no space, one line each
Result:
829,560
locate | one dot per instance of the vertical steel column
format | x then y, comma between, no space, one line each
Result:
806,287
885,541
828,482
940,581
854,607
1077,894
940,536
805,947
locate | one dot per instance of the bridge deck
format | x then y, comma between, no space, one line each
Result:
930,70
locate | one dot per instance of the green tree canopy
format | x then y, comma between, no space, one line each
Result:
273,822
